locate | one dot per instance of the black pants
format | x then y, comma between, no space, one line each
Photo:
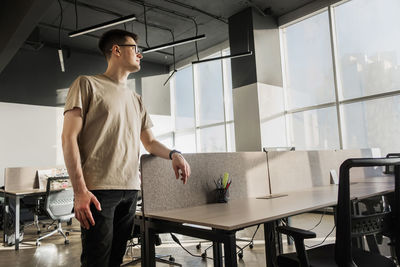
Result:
104,244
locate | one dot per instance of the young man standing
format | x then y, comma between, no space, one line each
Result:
104,123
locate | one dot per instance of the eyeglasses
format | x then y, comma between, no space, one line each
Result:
137,49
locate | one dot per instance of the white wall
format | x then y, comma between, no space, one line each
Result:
156,96
29,136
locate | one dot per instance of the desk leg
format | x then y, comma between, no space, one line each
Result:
149,253
270,244
217,254
6,212
230,251
17,215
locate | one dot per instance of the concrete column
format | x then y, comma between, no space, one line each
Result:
257,82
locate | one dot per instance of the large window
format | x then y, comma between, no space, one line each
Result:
309,63
351,99
204,107
184,99
368,46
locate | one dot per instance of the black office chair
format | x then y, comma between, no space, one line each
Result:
342,253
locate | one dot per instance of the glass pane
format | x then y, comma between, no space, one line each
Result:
309,62
368,43
161,124
186,142
228,86
208,82
166,139
212,139
230,130
314,129
374,123
184,105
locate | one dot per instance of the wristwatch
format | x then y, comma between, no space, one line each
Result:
172,152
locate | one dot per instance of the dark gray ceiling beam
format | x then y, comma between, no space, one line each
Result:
304,11
18,18
222,19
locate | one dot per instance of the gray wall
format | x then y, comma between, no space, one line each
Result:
32,77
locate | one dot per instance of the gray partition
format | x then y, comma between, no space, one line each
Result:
294,170
23,178
20,178
161,190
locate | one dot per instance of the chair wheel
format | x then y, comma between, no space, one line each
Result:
251,246
240,255
171,259
38,232
66,242
37,243
198,246
67,233
204,255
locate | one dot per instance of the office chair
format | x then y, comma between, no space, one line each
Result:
58,204
342,253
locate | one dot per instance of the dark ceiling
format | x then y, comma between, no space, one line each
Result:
164,18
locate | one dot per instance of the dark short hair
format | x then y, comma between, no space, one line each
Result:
112,37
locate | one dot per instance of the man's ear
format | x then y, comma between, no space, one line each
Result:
116,49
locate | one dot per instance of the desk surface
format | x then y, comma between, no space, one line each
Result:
25,192
242,213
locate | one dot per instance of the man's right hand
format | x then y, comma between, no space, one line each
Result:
82,211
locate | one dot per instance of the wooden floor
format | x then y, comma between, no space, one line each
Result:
53,251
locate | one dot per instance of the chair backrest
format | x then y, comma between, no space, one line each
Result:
59,198
343,255
161,190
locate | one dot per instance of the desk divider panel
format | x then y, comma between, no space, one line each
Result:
296,170
23,178
20,178
161,190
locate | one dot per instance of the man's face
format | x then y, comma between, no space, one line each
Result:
129,58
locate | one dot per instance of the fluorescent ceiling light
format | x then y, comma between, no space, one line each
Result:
102,25
60,56
172,44
245,54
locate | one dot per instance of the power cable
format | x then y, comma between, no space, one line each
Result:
320,220
60,24
76,15
316,245
195,43
145,24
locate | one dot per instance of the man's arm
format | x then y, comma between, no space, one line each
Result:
82,196
156,148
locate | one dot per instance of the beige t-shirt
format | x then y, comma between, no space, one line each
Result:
109,142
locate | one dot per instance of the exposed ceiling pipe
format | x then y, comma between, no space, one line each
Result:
142,3
50,26
106,11
220,18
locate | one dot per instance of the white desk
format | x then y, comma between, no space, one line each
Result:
225,219
17,195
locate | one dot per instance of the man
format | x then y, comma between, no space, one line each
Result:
104,123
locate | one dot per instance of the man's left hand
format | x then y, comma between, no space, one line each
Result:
179,163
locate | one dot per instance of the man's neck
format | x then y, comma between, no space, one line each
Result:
117,75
